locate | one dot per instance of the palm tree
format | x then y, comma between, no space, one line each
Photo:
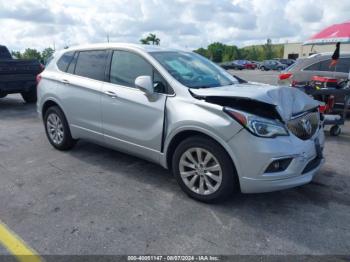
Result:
154,39
151,38
144,41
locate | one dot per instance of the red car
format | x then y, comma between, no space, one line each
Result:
247,64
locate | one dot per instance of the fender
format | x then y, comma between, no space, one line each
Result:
205,131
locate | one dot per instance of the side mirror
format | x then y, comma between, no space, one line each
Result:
145,84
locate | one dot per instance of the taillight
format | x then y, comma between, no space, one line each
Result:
284,76
38,79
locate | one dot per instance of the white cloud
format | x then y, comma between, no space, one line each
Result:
178,23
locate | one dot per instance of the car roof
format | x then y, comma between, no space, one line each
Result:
145,48
328,54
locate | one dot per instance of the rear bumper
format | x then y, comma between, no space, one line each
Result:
14,87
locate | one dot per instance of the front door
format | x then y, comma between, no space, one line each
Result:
131,120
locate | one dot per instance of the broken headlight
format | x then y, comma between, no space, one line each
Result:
258,126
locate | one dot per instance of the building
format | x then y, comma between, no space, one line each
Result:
296,50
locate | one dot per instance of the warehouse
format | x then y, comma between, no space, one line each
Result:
296,50
323,41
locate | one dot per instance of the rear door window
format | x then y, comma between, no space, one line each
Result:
343,65
91,64
65,60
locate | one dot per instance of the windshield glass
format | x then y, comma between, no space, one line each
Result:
193,70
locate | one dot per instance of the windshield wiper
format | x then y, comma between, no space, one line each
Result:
200,87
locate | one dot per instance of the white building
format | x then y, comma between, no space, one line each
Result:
296,50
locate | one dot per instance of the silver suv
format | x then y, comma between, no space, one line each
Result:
301,72
216,133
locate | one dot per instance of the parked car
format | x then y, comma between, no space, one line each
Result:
272,65
287,62
18,76
247,64
182,111
304,69
256,63
232,65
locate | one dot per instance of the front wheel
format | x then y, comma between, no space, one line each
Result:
57,129
203,169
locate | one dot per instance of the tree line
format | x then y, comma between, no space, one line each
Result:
219,52
31,53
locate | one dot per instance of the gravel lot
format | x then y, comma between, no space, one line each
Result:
93,200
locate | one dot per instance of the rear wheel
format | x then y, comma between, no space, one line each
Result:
204,170
262,68
30,96
335,130
57,129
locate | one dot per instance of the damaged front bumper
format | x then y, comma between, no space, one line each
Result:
254,155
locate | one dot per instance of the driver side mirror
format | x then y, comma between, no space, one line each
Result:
145,84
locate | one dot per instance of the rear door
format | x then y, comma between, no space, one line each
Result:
80,91
133,121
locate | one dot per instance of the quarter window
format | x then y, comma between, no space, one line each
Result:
324,65
64,61
313,67
92,64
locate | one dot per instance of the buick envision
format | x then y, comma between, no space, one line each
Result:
217,134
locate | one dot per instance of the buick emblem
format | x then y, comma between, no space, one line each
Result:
306,125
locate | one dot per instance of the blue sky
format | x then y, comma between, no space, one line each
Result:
187,24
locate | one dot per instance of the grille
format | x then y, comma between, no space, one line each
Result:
304,126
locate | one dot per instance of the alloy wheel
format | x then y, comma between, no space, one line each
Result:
200,171
55,128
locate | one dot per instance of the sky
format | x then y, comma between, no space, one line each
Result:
185,24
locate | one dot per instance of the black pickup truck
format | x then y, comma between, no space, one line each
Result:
18,76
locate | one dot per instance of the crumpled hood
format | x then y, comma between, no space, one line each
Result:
289,101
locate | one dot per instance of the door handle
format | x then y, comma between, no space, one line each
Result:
65,81
111,94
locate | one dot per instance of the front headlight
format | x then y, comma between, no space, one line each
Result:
258,126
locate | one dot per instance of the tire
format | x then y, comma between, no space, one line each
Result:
30,96
220,165
262,68
2,95
55,118
335,130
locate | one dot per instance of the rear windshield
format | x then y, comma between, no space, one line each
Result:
289,68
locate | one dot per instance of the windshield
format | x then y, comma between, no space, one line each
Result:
193,70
